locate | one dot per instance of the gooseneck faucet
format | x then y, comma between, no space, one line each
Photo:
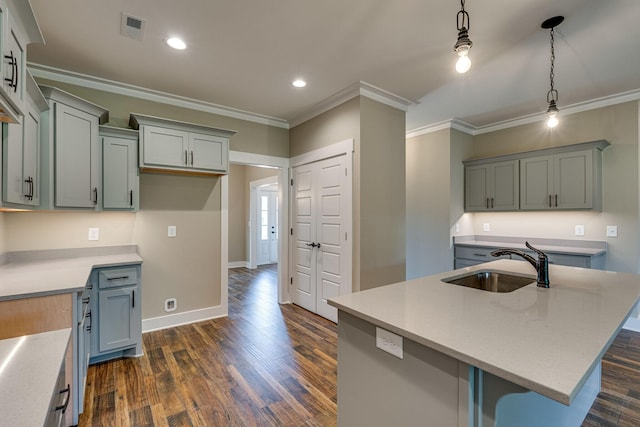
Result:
541,264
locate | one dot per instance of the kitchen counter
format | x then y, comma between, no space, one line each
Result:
29,368
545,340
42,273
559,246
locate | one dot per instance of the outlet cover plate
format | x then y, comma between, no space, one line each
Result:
389,342
94,234
612,231
172,231
486,227
579,230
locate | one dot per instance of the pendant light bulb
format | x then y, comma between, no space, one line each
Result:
552,121
464,63
464,43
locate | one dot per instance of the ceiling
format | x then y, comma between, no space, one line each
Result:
244,54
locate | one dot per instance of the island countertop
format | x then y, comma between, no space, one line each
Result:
546,340
41,273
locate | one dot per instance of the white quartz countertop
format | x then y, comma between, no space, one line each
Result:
40,277
29,368
569,250
546,340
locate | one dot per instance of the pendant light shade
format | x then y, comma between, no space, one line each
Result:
552,95
463,44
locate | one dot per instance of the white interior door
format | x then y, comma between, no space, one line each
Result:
267,226
319,234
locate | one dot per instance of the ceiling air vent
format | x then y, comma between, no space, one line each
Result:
132,27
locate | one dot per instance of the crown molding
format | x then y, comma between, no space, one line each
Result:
78,79
445,124
605,101
357,89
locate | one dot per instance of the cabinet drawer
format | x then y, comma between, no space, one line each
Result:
116,277
476,253
570,260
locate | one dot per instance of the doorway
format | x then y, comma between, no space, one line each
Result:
263,233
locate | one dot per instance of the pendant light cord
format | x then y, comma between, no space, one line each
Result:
552,95
462,18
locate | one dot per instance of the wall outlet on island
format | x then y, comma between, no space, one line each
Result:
94,234
579,230
612,231
486,227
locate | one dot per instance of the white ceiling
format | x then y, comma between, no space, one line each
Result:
244,53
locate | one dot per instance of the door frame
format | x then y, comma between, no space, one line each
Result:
345,147
250,159
253,217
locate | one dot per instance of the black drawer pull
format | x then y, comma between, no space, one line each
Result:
484,255
118,278
66,401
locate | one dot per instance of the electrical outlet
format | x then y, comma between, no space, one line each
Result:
612,231
170,304
579,230
172,231
94,234
389,342
486,227
457,227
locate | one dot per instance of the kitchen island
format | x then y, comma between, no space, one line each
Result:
472,357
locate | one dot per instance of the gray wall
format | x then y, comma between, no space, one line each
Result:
378,183
187,267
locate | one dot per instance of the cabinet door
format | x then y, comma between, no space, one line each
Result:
15,63
476,188
504,185
31,156
573,173
117,317
119,173
164,147
536,183
77,158
208,152
14,190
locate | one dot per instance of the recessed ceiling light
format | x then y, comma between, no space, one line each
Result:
176,43
299,83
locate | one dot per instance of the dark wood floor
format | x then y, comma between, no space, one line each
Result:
272,365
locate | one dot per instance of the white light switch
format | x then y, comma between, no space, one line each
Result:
94,234
612,231
389,342
171,231
579,230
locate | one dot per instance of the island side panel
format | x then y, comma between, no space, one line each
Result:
378,389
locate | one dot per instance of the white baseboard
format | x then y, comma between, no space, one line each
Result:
632,324
184,318
237,264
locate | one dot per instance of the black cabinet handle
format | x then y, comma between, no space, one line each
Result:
185,158
131,198
487,203
15,73
86,300
133,299
556,200
88,328
12,62
118,277
191,157
492,203
89,286
29,182
66,401
95,195
549,200
484,255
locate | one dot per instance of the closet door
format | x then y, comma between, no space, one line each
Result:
320,234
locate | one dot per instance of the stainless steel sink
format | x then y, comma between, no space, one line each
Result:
491,281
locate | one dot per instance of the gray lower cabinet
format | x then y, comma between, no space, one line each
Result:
120,180
116,313
466,256
492,187
60,400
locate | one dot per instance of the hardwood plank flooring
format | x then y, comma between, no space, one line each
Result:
273,365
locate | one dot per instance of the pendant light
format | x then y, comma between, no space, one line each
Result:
463,44
552,95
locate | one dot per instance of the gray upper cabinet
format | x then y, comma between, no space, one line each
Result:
18,28
567,177
120,181
74,151
561,181
21,153
492,187
172,146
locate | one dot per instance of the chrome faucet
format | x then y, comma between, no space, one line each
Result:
541,265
